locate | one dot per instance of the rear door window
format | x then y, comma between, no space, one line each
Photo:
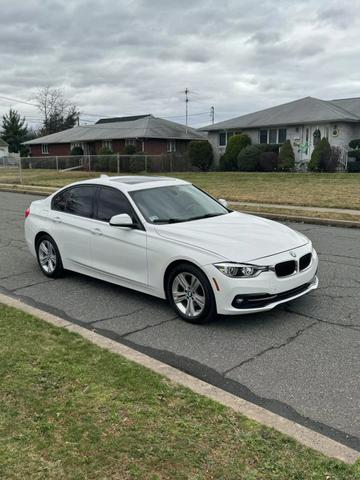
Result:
78,200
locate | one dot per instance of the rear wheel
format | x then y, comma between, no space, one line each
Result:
48,256
190,294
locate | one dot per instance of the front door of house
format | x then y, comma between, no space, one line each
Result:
306,143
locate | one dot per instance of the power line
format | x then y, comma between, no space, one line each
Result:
17,101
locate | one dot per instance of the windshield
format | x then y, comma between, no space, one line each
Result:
177,203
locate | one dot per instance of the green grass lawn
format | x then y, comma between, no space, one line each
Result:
70,410
339,190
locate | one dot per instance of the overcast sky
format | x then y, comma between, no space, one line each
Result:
128,57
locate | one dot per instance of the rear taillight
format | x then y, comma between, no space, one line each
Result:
27,212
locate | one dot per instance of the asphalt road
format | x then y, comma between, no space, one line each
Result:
301,360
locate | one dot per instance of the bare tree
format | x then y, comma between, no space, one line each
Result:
59,114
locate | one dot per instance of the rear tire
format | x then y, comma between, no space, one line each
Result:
190,294
49,257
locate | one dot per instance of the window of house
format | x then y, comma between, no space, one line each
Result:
263,136
273,135
171,146
130,141
107,144
282,135
326,133
44,148
222,139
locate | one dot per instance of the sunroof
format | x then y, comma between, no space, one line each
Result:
139,179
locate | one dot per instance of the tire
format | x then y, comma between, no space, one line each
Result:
190,295
49,257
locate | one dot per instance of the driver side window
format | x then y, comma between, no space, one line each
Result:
112,202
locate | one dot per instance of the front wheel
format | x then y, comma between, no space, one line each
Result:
48,256
190,294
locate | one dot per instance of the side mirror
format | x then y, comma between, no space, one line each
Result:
223,202
121,220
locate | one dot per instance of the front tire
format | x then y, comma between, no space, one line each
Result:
190,295
48,257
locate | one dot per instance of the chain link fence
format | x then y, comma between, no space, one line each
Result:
17,170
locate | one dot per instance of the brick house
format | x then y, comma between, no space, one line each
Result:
302,122
149,134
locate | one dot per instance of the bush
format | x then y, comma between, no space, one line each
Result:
201,154
249,158
334,160
286,160
353,167
105,151
235,144
354,154
77,151
355,144
270,147
320,157
268,162
130,149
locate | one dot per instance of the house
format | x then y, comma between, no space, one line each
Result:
147,133
304,122
4,148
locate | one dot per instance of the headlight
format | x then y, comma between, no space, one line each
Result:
240,270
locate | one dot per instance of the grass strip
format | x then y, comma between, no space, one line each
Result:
70,410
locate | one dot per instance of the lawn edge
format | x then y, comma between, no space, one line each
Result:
302,434
44,191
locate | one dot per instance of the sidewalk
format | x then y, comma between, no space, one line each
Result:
297,207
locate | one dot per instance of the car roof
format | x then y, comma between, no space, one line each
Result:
133,182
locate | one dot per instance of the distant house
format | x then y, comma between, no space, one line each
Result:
303,122
4,148
147,133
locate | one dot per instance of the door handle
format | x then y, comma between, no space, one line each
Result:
97,231
57,220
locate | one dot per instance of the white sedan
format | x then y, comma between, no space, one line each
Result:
168,238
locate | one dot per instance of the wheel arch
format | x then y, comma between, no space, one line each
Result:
41,234
174,264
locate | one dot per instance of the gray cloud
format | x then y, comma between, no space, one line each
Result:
136,56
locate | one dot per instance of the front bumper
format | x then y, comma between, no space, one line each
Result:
267,290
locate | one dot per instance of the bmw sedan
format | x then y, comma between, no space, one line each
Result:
167,238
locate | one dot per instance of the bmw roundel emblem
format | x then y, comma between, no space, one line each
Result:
293,254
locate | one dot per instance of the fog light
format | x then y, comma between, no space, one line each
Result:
238,300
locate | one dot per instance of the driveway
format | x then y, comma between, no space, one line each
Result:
301,360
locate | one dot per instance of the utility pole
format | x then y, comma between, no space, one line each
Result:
186,108
212,114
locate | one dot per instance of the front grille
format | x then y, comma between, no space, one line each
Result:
304,261
259,300
284,269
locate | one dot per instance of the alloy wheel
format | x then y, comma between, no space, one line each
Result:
47,256
188,294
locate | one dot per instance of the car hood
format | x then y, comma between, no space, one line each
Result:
236,237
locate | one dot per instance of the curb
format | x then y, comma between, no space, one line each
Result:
302,434
313,220
36,190
29,190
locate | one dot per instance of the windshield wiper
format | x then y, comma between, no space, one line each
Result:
168,220
178,220
207,215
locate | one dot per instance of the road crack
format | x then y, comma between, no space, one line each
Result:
273,347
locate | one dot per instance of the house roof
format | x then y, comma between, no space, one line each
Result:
302,111
3,143
143,127
121,119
